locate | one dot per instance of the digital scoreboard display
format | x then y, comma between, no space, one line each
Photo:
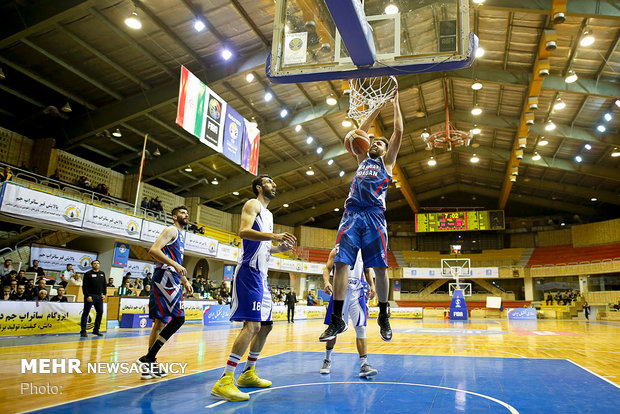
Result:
460,221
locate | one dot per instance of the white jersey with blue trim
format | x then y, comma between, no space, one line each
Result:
255,254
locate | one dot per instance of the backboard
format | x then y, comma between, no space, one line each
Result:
310,38
456,268
465,287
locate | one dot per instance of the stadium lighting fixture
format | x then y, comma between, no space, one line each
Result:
615,153
309,140
608,116
236,193
199,25
474,159
476,130
283,113
117,133
432,162
536,156
550,126
587,39
476,85
587,147
249,77
331,100
330,162
347,123
188,168
341,174
309,171
391,9
578,158
297,128
571,77
319,150
601,128
593,199
133,21
479,52
268,96
542,142
285,205
559,105
476,111
226,54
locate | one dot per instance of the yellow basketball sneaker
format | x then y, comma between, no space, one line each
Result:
249,379
225,389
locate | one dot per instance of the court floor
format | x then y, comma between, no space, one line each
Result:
431,366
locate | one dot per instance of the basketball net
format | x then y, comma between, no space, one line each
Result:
368,94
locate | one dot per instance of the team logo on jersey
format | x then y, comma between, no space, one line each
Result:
72,214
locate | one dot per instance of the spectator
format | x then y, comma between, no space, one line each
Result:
6,268
65,275
31,291
82,181
55,176
6,174
42,296
148,280
40,286
13,286
126,278
36,269
110,282
146,291
565,299
558,298
290,301
20,294
10,277
76,280
7,293
586,310
21,278
549,299
139,285
310,299
151,204
124,289
145,203
60,296
197,285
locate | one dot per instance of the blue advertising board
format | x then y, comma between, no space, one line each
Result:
458,307
121,254
229,270
215,314
136,320
521,314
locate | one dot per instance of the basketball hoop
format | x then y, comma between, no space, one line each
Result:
456,271
367,94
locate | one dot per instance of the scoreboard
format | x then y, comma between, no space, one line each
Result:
460,221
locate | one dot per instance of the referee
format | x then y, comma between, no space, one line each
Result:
94,294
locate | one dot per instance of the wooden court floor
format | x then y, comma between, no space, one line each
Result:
592,345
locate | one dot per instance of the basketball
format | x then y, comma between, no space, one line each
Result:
357,142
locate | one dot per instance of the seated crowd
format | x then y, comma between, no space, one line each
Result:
562,298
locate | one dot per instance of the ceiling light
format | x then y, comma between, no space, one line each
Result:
601,128
133,22
420,114
618,103
536,156
214,181
347,123
310,171
587,39
283,113
249,77
474,159
593,199
331,100
309,140
432,162
571,77
236,193
479,52
478,1
188,168
297,128
336,209
199,25
542,142
476,111
587,147
425,134
341,173
285,205
268,96
391,9
319,150
608,116
117,133
476,130
578,158
157,153
615,153
66,108
476,86
559,105
226,54
550,126
562,224
330,162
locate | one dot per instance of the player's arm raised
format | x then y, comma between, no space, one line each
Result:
397,136
327,270
251,209
157,253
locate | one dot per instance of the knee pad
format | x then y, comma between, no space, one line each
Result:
360,332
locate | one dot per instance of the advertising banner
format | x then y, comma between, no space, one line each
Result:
108,221
274,262
435,273
215,314
121,255
313,268
216,110
399,313
139,268
291,265
200,244
234,127
521,313
37,205
32,318
193,308
57,258
151,230
229,271
226,252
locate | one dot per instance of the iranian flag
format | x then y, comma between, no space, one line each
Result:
191,111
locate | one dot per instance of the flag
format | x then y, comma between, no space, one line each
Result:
251,143
234,128
191,110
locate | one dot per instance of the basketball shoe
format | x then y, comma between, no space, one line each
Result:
326,368
249,379
385,330
336,326
225,389
367,371
148,368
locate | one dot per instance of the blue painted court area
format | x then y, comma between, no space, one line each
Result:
405,384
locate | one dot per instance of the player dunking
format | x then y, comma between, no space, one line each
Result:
355,307
251,296
363,224
166,301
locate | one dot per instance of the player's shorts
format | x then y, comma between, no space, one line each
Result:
251,296
354,305
365,230
166,295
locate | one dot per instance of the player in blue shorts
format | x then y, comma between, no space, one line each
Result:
355,307
166,300
363,225
251,296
